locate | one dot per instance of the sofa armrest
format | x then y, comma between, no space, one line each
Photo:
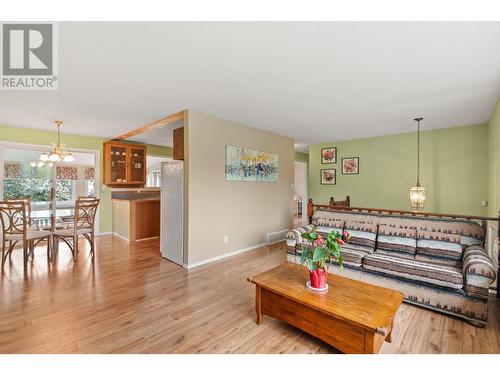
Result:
479,271
294,238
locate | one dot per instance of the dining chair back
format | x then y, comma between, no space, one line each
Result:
85,212
27,206
83,224
15,228
13,218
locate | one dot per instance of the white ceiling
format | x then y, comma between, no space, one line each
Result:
315,82
163,136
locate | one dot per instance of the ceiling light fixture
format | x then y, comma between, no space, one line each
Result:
417,193
58,153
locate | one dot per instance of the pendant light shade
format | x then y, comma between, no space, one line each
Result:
417,192
54,157
59,153
68,158
417,197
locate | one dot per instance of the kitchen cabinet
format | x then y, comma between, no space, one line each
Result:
178,144
124,164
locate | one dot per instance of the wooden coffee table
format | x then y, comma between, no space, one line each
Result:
353,317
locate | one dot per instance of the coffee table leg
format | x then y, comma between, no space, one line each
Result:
388,338
258,305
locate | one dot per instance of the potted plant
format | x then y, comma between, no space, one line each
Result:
320,250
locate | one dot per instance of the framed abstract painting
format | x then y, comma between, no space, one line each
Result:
329,155
328,177
350,165
243,164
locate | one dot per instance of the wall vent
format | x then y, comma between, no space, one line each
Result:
276,236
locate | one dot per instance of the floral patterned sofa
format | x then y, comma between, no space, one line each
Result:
437,263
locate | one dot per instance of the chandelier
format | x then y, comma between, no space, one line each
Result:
59,153
417,193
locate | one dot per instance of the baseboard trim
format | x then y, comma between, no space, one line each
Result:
103,234
121,237
147,238
219,257
275,242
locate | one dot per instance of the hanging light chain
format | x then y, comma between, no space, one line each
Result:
418,152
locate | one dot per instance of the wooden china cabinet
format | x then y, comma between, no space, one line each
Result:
124,164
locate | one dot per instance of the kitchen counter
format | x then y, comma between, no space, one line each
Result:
137,199
136,218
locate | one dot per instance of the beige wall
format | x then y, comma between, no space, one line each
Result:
244,211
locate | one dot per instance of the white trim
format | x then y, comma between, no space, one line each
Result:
120,237
219,257
275,242
306,177
147,238
103,234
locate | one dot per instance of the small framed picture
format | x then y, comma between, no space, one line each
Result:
328,177
350,165
329,155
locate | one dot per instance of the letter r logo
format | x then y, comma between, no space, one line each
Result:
27,49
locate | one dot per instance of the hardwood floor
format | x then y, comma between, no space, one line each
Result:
133,301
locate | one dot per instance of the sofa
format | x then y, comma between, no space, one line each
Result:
438,263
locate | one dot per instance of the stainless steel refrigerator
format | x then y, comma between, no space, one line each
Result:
172,211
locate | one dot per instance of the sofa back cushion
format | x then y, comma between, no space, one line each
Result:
447,239
472,234
363,229
439,245
325,221
397,235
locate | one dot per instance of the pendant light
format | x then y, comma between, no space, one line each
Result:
417,193
58,153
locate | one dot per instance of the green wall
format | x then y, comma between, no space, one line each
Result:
454,169
494,156
39,137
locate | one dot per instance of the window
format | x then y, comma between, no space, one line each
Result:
34,182
153,179
65,190
90,187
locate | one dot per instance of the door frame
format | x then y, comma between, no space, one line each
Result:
304,203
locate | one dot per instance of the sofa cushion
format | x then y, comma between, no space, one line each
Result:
398,235
363,230
352,255
439,226
439,245
362,238
472,234
456,263
413,270
325,218
326,230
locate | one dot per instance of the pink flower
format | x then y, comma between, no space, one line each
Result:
320,241
346,234
340,242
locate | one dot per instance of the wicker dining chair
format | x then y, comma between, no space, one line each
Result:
83,224
27,206
16,228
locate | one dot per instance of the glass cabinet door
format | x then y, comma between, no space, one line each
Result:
118,167
137,165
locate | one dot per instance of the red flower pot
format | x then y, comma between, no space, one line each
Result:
318,278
